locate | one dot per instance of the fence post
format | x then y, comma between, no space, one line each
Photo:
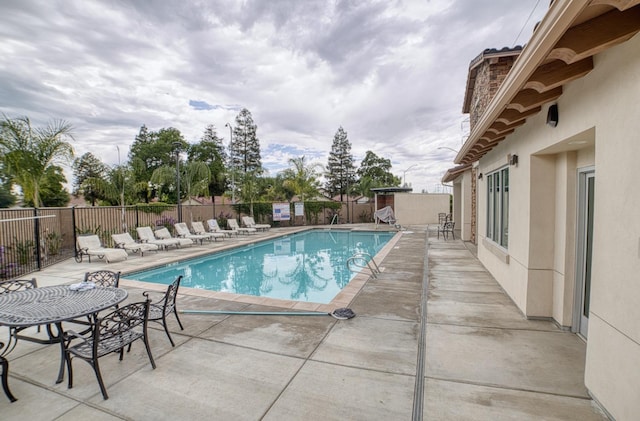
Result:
75,230
36,228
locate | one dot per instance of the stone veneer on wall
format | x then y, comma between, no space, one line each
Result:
490,75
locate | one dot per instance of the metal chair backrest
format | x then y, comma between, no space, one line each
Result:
168,302
112,331
103,278
15,285
159,310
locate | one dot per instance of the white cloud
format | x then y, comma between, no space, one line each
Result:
392,73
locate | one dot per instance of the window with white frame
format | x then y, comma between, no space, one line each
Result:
498,206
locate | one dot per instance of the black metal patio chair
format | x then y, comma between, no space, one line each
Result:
159,310
446,228
103,278
110,334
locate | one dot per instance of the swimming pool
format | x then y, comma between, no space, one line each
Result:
306,266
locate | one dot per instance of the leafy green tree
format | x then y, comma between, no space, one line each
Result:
275,189
7,199
122,190
116,187
52,191
150,151
194,179
88,172
340,170
141,189
250,189
378,170
28,152
211,151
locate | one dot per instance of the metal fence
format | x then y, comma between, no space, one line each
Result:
34,238
31,239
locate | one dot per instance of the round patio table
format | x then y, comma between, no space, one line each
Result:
53,305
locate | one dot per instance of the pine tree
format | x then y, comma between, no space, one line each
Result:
88,171
245,146
340,169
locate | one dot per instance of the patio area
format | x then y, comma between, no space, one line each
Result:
434,338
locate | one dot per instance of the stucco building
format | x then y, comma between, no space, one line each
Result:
547,183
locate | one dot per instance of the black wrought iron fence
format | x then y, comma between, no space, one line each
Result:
31,239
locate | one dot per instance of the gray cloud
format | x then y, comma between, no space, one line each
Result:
392,73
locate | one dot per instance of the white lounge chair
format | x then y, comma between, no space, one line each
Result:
125,241
214,227
145,235
198,229
90,245
183,231
249,222
233,224
164,234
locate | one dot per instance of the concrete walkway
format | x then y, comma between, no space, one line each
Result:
471,355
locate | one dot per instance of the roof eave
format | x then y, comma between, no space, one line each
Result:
556,22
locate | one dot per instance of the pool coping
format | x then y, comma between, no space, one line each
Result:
341,300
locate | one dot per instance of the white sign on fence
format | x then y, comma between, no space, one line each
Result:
281,212
299,208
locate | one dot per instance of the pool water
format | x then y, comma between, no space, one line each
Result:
307,266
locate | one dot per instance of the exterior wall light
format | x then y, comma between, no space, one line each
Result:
552,115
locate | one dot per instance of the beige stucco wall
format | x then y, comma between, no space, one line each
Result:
457,212
462,201
538,269
420,209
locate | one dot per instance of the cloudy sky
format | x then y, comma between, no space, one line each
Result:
391,73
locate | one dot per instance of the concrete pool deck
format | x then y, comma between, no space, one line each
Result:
435,338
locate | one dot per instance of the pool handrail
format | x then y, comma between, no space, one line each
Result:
369,263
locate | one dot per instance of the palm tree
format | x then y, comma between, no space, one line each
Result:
364,186
28,152
194,179
302,177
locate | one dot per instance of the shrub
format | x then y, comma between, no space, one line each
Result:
54,241
24,249
222,219
167,222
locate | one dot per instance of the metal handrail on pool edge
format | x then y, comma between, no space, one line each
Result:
367,259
